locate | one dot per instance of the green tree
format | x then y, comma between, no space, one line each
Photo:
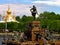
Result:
2,25
51,20
17,18
12,25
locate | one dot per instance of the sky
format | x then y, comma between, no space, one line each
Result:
22,7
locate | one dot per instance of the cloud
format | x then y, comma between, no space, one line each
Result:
21,9
50,2
18,9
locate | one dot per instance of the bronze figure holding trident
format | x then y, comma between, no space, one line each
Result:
33,11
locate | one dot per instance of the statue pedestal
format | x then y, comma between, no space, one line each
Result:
35,30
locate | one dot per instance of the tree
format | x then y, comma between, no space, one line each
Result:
2,25
17,18
51,20
12,25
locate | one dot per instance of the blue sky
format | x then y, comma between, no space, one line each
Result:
21,7
15,1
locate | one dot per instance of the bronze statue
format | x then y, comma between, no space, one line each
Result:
33,11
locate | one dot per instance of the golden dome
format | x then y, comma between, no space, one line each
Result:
8,11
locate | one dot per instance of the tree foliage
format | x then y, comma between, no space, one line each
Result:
2,25
49,19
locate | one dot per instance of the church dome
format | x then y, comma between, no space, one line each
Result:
8,11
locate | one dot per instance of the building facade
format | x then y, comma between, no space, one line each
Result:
9,17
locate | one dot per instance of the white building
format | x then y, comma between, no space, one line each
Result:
8,17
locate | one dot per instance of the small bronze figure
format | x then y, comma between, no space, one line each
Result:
33,11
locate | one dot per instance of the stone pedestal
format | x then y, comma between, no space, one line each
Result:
35,29
41,41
